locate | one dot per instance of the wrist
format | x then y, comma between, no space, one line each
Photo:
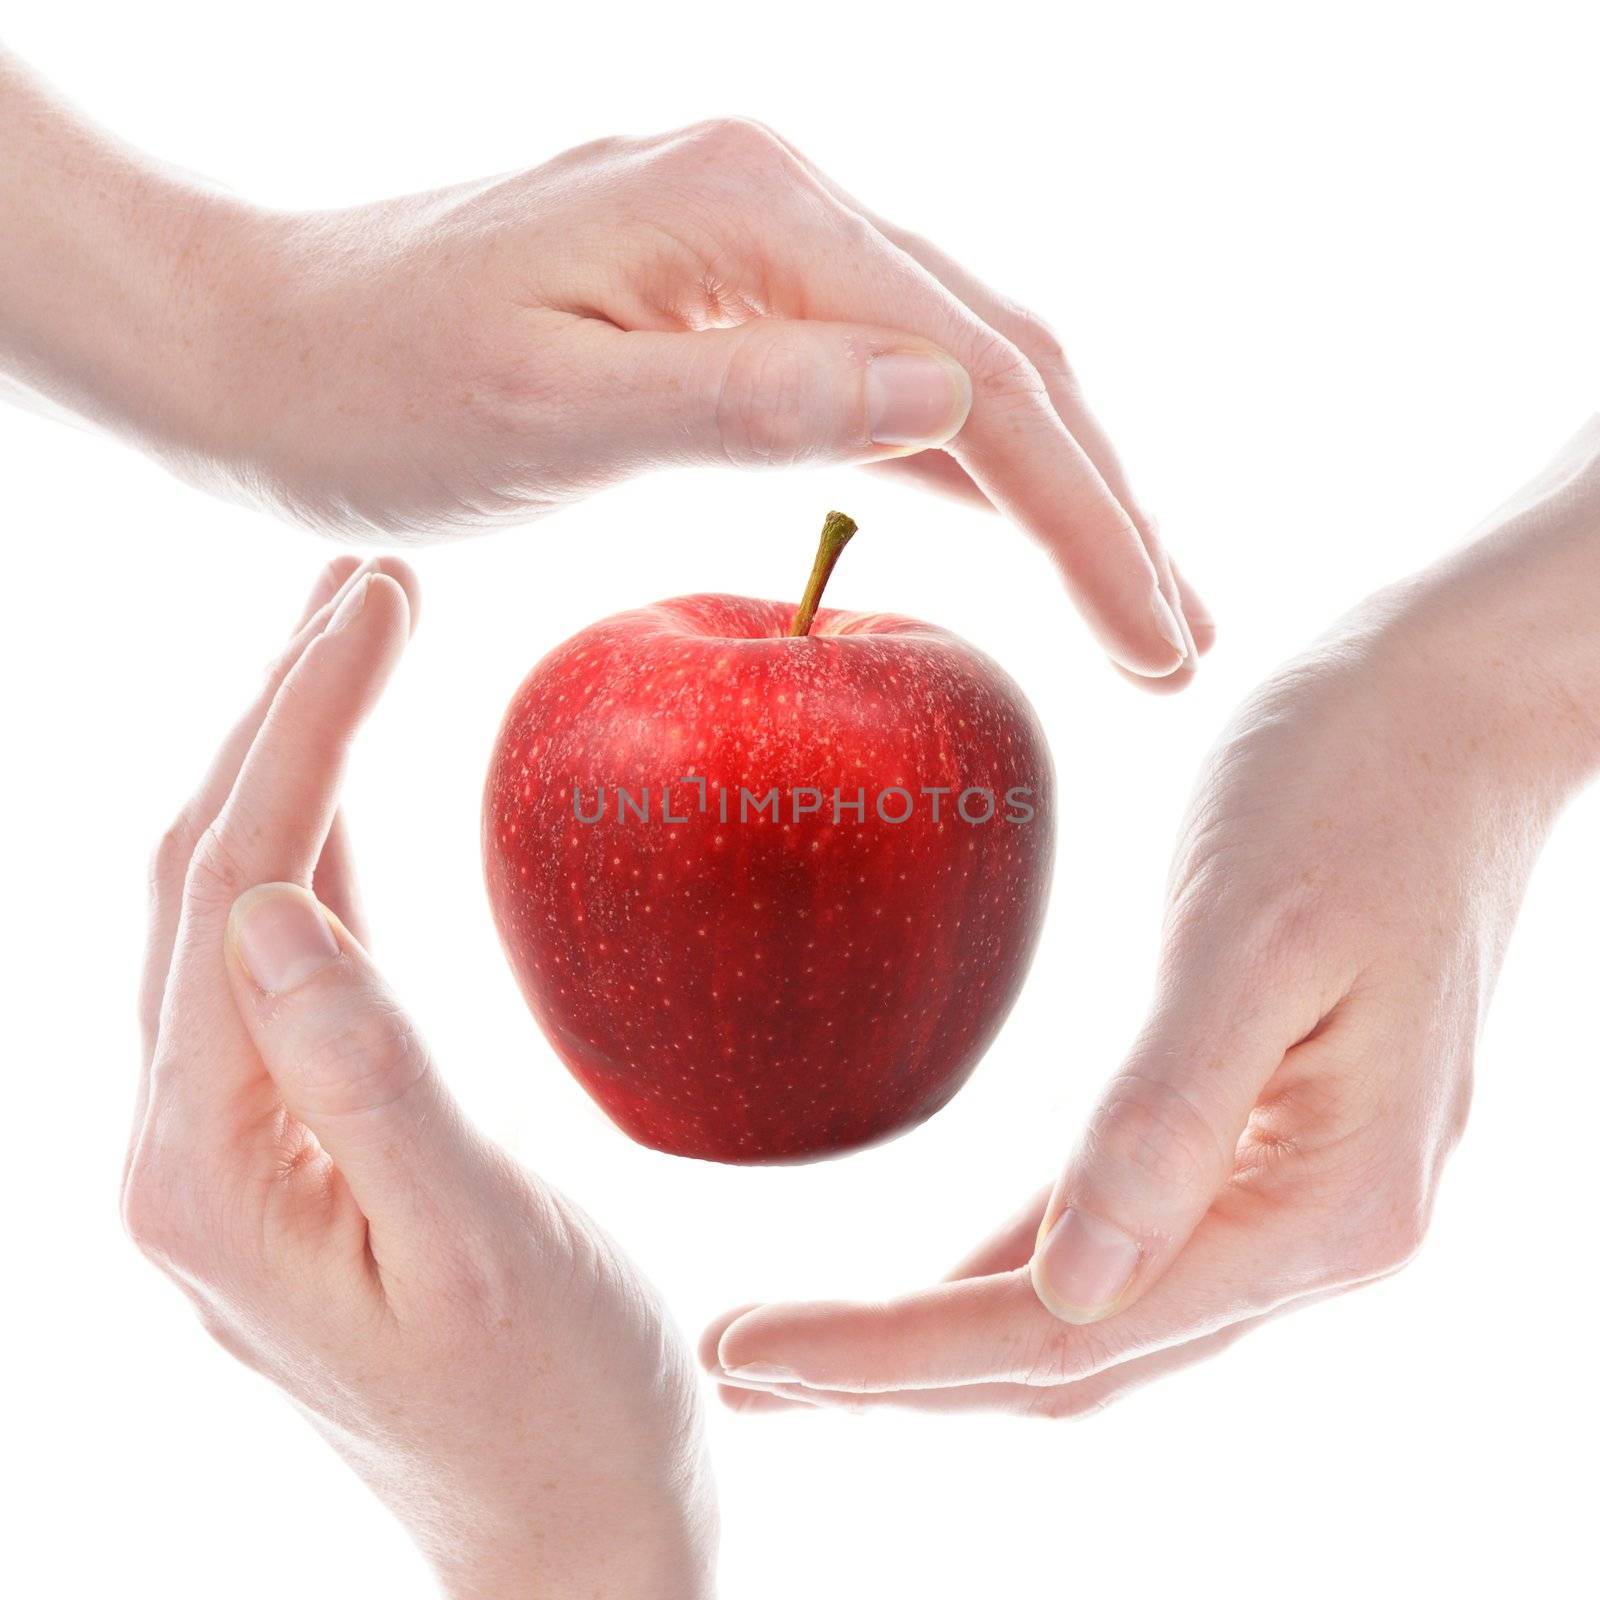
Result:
1503,636
644,1543
143,341
606,1572
116,276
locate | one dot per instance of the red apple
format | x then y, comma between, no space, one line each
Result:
747,978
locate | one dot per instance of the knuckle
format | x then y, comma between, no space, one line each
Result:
156,1219
1068,1402
1002,375
1368,1215
163,1228
591,152
362,1063
215,877
764,415
139,1221
1061,1355
910,242
741,141
1391,1240
169,861
1041,341
1148,1132
233,1339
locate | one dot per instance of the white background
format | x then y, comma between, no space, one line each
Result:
1329,274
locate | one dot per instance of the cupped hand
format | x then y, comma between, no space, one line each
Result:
1345,884
481,1354
483,354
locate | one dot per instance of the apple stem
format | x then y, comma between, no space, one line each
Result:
837,530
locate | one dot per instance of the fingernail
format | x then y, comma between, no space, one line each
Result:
1169,627
915,399
352,605
761,1372
1083,1266
282,937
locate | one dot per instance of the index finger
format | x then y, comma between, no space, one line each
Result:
278,814
210,1082
1019,452
178,846
1029,444
1014,446
994,1330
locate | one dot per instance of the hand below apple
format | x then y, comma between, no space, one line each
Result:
481,1354
480,355
1343,892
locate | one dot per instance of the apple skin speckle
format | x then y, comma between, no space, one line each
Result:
773,988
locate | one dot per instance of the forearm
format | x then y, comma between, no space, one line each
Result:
110,268
1507,629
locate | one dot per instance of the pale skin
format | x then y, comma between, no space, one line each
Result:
1345,884
482,1355
485,354
445,362
490,1364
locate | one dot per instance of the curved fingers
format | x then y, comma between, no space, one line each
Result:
1014,445
1039,345
1032,338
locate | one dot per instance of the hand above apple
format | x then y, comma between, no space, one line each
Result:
770,878
483,355
1345,886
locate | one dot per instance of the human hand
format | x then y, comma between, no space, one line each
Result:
480,1352
480,355
1344,888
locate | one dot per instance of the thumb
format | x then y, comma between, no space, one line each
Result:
777,393
340,1051
1160,1145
